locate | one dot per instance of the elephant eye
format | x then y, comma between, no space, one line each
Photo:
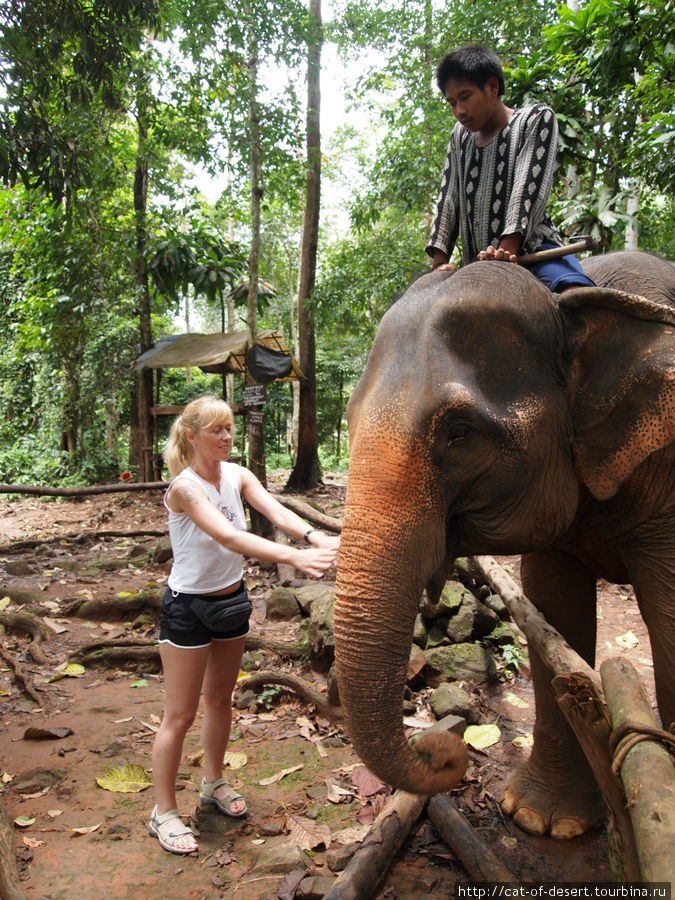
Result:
457,432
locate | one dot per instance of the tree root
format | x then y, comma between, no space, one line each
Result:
82,537
104,607
20,676
280,648
300,687
137,650
22,620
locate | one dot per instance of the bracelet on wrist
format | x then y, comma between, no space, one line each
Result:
307,533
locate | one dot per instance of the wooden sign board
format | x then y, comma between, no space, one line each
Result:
254,394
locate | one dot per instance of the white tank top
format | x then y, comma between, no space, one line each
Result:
200,563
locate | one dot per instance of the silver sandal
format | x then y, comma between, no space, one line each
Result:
206,798
167,835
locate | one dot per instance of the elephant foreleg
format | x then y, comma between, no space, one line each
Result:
654,583
555,791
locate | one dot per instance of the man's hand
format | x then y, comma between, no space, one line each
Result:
500,253
507,250
439,262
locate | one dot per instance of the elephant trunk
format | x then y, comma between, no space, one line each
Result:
381,573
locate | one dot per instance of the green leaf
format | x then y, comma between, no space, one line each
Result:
125,780
482,736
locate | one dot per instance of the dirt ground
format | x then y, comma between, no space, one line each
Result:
83,840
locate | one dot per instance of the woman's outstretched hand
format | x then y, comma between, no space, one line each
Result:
315,561
323,541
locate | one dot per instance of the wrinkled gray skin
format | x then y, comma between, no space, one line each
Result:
494,417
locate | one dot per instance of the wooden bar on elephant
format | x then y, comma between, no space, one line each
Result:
9,872
585,711
551,645
480,862
369,865
647,772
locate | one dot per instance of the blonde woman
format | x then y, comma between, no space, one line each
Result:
205,610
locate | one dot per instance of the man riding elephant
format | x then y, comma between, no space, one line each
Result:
498,174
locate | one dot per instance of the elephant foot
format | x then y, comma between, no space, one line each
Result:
541,805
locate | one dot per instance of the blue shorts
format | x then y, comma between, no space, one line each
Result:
180,627
560,273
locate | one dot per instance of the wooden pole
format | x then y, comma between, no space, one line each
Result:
551,646
585,711
480,862
646,770
369,865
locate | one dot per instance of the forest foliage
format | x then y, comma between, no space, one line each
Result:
79,79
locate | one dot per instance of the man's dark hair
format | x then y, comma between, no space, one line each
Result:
474,63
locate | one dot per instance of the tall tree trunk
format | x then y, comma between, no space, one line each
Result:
292,426
306,473
632,214
256,437
142,445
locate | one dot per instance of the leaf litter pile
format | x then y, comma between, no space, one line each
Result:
82,697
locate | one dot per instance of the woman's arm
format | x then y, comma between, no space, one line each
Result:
285,519
189,498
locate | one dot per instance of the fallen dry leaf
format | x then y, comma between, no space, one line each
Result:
33,842
274,778
307,833
367,783
337,792
85,829
627,641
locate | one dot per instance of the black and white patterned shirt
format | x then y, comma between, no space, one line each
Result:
501,188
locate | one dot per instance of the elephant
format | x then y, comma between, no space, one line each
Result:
495,417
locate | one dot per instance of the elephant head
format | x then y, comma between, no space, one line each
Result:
482,408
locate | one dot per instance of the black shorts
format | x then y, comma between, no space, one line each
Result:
180,627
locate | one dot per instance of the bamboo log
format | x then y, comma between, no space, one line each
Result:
587,715
9,872
369,865
480,862
647,772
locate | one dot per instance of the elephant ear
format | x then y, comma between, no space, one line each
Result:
622,382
